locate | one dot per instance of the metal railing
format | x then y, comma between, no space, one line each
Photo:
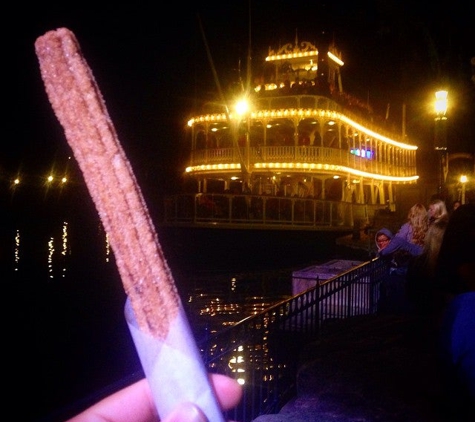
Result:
262,351
259,155
239,210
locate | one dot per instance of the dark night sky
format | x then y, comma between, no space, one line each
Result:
151,67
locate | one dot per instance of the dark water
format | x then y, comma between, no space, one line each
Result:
68,340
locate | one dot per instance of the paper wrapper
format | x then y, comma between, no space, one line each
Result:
174,367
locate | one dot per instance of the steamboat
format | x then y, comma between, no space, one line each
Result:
294,152
291,152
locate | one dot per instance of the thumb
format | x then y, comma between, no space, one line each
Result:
186,412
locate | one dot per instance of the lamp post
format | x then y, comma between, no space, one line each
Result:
440,136
463,181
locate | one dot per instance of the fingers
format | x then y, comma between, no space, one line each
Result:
228,391
135,403
186,412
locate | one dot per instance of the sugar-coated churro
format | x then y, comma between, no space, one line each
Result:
158,324
82,112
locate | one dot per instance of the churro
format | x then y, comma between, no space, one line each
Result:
81,110
157,322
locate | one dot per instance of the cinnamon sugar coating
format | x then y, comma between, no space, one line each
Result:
81,110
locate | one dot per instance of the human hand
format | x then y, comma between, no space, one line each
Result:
135,404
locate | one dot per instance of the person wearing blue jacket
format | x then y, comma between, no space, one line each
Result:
397,249
396,243
393,297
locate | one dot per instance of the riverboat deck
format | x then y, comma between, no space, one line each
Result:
292,151
247,211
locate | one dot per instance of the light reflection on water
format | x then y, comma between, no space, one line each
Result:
56,255
220,300
61,269
74,298
214,300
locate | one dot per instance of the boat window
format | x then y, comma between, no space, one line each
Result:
220,135
351,139
344,143
200,137
280,132
306,131
331,135
317,139
242,133
344,138
257,134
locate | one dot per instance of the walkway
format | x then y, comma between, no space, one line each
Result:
367,369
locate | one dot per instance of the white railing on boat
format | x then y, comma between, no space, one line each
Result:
299,154
230,210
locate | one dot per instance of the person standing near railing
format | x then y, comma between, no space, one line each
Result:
437,211
393,298
393,247
455,278
421,271
412,232
415,228
382,239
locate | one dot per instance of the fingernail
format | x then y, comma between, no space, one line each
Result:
188,412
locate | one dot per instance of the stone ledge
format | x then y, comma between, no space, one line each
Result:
367,369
